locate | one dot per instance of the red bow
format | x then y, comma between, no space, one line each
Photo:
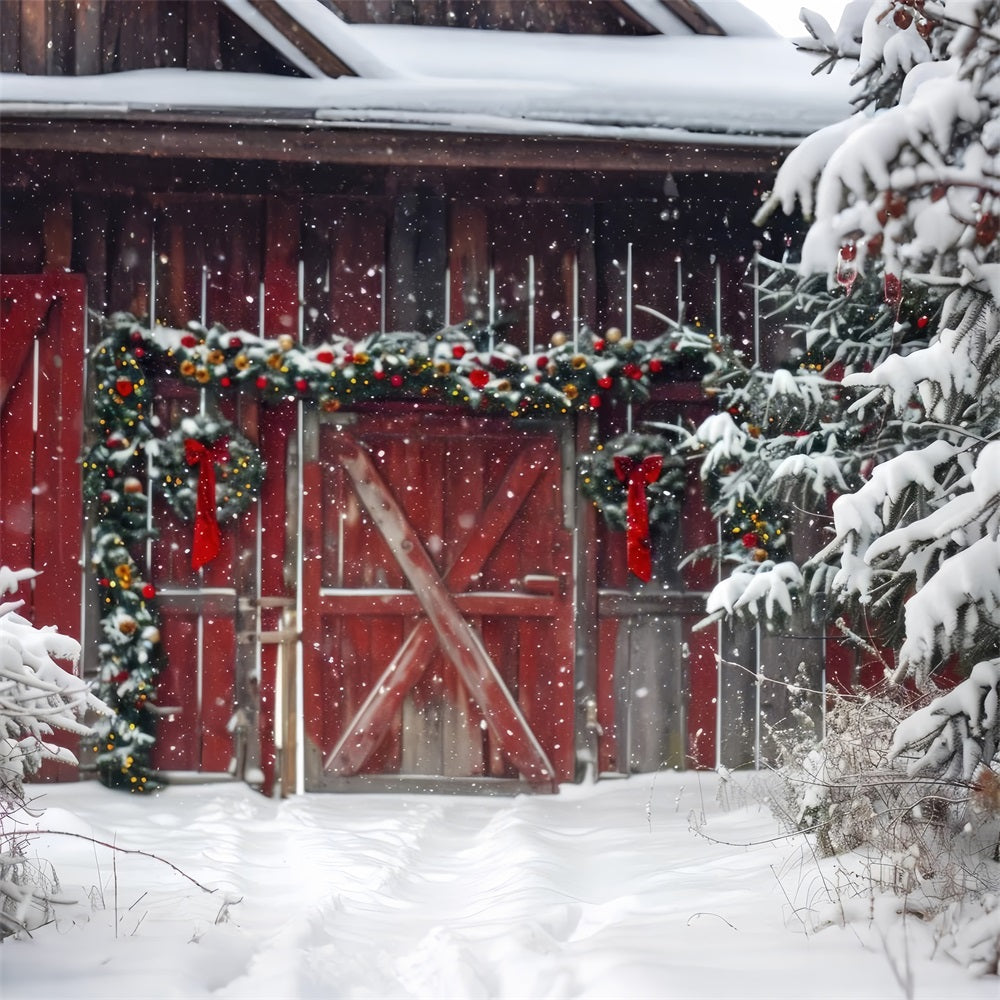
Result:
207,536
638,475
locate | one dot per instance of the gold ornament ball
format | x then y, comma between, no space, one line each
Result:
127,625
613,335
759,555
132,485
286,341
558,339
151,634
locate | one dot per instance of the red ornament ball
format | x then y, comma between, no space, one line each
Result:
235,342
922,321
104,582
458,352
261,382
902,18
225,381
136,336
189,341
124,387
655,365
599,344
479,378
140,352
542,363
148,592
325,357
750,540
396,380
595,401
378,374
605,381
301,384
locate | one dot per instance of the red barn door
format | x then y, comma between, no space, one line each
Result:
42,373
41,435
437,601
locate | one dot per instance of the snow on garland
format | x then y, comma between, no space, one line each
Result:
449,367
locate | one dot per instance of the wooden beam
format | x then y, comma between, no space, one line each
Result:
310,46
305,142
693,16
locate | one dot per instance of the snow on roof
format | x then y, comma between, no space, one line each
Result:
669,88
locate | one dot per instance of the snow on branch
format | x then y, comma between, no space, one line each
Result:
37,696
957,731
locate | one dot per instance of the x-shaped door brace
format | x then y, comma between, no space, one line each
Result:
444,625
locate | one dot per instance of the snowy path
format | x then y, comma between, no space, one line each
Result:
600,891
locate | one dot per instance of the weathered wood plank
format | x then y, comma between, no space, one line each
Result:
34,38
10,37
242,139
87,18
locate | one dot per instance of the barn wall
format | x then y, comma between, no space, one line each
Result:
341,250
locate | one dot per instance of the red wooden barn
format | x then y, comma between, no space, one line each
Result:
421,593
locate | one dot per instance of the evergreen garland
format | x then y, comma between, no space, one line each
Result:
450,368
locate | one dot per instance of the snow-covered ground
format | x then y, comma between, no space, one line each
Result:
655,886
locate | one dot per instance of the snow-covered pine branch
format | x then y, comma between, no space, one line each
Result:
958,731
37,696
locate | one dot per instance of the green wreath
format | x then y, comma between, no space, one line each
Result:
239,469
600,483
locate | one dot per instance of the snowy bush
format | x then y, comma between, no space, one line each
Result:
37,696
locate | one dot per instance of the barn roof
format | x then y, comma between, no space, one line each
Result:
708,74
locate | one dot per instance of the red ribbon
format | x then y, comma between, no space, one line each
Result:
207,536
638,475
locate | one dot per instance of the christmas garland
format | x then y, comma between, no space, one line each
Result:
452,367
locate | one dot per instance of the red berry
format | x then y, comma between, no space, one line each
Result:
986,230
235,342
261,381
396,380
225,381
378,374
598,345
750,540
848,251
655,365
189,341
479,378
595,401
458,352
922,321
301,384
605,381
324,357
542,363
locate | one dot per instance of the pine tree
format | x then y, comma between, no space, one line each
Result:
894,399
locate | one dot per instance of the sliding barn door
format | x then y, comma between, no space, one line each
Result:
437,601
